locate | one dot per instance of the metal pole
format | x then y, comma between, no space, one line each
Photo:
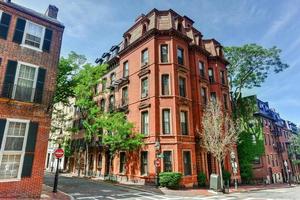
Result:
235,182
56,177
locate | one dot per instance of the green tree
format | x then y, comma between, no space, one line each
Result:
120,135
250,65
294,148
85,92
65,82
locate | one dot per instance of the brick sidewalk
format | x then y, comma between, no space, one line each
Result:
48,194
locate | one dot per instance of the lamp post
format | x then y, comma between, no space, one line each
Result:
234,167
156,162
287,171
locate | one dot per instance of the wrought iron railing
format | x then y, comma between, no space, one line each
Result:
26,94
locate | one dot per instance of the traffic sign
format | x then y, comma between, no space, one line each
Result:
157,163
58,153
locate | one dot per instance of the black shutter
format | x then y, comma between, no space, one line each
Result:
9,78
4,25
39,89
19,31
31,139
47,40
29,150
2,128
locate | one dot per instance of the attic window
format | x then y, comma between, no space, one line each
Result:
144,29
125,42
179,26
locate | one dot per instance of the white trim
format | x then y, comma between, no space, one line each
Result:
22,152
24,36
17,76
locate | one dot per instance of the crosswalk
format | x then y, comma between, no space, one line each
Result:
151,196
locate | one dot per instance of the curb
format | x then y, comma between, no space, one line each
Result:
259,189
72,198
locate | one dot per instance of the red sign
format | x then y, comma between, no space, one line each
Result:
58,153
157,162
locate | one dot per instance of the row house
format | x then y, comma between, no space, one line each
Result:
162,75
274,166
29,52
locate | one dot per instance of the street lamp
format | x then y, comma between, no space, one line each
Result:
156,162
234,167
287,171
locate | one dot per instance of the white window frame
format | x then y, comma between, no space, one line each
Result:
17,76
42,38
141,123
160,53
8,120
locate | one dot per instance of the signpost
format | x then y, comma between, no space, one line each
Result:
58,153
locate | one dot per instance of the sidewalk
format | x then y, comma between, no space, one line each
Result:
48,194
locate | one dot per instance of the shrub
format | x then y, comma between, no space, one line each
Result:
201,179
170,179
226,176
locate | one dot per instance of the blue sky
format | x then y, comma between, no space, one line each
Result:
93,26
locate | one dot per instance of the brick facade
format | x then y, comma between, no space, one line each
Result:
148,33
28,186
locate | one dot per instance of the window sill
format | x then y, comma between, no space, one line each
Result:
167,135
164,63
30,47
10,180
166,96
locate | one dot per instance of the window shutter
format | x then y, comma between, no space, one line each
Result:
9,78
39,89
19,31
2,128
47,40
29,151
4,25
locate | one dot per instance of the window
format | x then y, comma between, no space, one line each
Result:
145,58
102,104
12,149
187,163
225,101
104,81
213,97
125,96
167,161
179,26
144,163
111,103
184,122
182,88
166,121
204,95
211,75
180,56
122,162
25,82
268,158
145,123
165,84
201,69
144,90
144,29
222,75
164,53
125,69
112,78
34,34
256,160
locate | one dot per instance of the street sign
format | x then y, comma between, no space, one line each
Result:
59,153
157,163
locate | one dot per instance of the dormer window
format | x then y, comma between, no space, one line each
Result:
112,77
179,26
144,57
125,42
144,29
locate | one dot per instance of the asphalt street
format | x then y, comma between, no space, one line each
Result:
80,188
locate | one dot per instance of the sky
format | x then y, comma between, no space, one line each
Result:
93,26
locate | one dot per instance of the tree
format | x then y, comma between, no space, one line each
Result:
294,148
251,139
219,133
250,65
65,82
120,135
85,91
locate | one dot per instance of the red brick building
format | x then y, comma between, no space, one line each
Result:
162,75
29,52
275,164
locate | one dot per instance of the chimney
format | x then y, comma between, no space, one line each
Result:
52,11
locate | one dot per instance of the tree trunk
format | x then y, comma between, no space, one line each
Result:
87,160
110,166
78,162
221,174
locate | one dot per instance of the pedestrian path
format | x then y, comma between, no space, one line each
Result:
152,196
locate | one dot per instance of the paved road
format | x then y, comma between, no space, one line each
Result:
87,190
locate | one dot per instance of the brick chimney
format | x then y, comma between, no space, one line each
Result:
52,11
